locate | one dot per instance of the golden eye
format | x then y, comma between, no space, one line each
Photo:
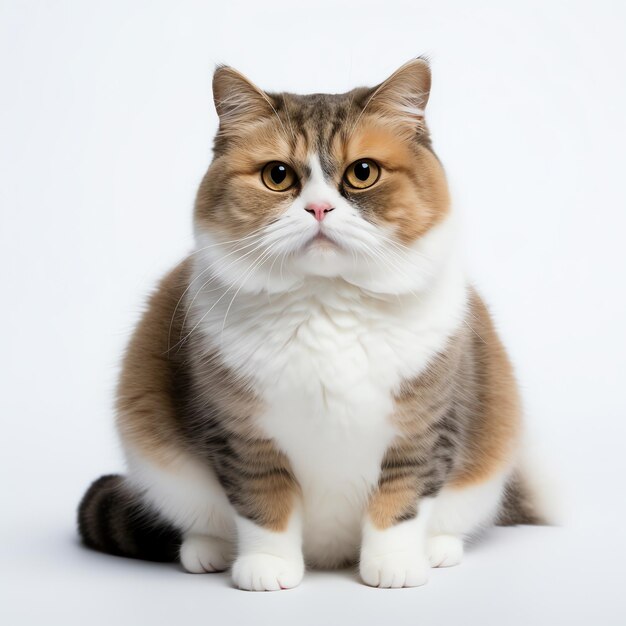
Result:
278,176
362,174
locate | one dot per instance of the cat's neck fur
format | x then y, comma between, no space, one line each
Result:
251,329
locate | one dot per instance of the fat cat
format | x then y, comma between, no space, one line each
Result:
317,383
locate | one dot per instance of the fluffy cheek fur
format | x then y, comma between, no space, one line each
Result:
266,232
232,201
411,196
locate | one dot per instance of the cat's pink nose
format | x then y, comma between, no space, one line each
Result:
319,209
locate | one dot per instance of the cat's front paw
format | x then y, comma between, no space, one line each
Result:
266,572
394,570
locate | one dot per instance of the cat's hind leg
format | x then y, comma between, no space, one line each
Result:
460,512
444,550
187,494
201,554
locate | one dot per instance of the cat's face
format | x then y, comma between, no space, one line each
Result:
342,186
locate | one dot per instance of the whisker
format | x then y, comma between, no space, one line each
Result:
184,339
216,276
169,334
276,230
259,262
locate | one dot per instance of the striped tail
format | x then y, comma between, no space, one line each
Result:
533,495
113,519
518,505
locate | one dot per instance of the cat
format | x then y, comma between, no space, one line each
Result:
317,382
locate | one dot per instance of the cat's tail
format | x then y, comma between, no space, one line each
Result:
531,495
112,518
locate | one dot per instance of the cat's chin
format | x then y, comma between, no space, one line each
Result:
322,257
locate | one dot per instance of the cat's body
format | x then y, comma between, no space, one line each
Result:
275,405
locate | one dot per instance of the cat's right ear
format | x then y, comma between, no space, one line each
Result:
238,102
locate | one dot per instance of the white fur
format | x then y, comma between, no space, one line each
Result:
268,560
463,512
185,492
550,497
326,357
444,550
201,554
396,556
325,335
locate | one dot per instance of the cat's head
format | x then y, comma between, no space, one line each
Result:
341,186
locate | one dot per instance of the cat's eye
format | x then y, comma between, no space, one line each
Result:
278,176
362,174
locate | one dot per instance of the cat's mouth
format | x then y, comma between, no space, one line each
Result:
322,241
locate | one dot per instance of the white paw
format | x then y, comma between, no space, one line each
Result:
266,572
444,550
394,569
200,554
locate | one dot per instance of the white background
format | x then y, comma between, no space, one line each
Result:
105,130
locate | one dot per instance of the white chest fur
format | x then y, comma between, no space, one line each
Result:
326,359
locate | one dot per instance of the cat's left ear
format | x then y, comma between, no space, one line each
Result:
404,95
